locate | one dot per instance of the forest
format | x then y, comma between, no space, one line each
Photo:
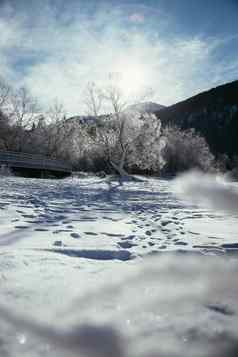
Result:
125,141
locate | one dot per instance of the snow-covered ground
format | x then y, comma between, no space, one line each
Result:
101,256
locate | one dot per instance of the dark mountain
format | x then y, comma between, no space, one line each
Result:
214,114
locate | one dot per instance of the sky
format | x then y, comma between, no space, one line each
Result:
170,49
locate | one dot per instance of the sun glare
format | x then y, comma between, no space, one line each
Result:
130,77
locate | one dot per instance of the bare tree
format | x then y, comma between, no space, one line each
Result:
56,131
4,121
5,91
23,111
23,108
93,99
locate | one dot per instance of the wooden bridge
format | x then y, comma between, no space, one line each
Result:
33,165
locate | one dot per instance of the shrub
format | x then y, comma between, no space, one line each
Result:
186,150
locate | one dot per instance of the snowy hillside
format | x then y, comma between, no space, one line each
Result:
146,107
142,108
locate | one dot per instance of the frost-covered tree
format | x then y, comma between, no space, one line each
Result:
119,138
185,150
116,132
110,129
146,152
130,141
84,149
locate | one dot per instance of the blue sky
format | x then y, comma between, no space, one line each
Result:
174,47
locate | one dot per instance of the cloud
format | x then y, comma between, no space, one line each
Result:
137,18
55,53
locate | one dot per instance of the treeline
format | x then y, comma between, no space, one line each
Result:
122,142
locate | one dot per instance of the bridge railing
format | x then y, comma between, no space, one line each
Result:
24,160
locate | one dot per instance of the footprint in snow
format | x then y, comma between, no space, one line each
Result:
126,245
148,233
163,247
180,243
165,230
58,243
129,237
41,230
165,223
61,231
28,216
75,235
21,227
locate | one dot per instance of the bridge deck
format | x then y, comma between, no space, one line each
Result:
28,161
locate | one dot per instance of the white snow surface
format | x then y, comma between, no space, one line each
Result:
89,268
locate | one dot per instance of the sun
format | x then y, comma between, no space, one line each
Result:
130,76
